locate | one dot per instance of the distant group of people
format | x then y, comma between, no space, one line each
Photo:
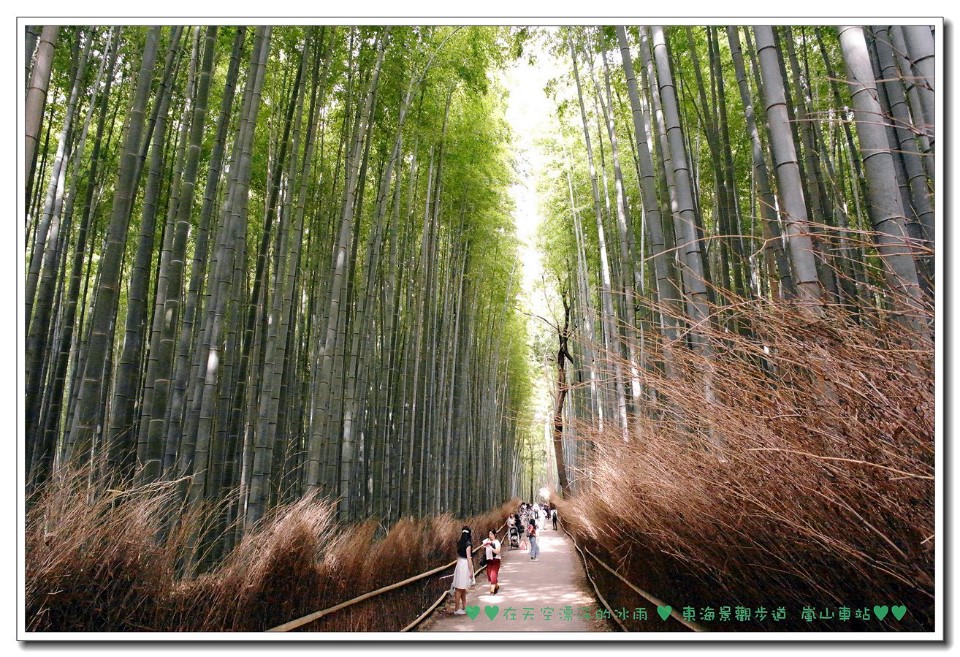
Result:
524,526
523,531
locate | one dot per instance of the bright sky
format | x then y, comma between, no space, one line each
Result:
531,115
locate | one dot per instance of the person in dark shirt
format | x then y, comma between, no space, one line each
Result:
463,574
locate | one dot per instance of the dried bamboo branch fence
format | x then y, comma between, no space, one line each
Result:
653,599
309,618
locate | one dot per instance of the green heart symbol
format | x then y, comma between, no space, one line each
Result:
898,611
473,611
491,612
880,612
664,611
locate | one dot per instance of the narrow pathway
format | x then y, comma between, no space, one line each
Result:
551,594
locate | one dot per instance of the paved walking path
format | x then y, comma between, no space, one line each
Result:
551,594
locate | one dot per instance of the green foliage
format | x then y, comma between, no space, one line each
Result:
439,101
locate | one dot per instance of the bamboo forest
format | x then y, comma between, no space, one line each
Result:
304,305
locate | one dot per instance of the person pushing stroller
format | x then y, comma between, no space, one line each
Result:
513,533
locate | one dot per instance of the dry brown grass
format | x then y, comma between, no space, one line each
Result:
100,560
794,467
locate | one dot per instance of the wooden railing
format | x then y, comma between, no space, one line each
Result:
446,593
309,618
653,599
584,553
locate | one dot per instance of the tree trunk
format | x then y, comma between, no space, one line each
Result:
563,387
694,277
886,211
341,264
288,262
45,261
83,428
166,318
921,49
224,290
793,206
171,426
773,242
121,425
609,317
905,146
37,95
665,275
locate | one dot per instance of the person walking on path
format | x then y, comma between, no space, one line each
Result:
523,534
463,573
557,583
553,516
534,546
513,533
492,546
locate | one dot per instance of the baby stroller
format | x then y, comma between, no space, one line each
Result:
514,537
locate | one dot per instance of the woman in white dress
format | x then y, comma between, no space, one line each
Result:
463,574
